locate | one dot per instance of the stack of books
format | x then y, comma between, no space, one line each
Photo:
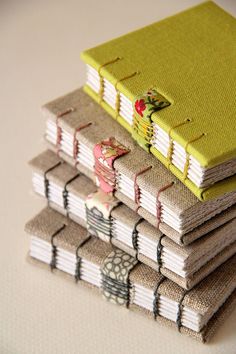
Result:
139,174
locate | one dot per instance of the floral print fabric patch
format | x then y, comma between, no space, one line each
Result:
144,106
105,154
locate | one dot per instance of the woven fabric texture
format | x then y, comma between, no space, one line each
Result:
203,299
182,35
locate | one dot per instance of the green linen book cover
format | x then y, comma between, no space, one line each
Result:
187,64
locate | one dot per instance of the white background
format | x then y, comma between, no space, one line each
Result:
40,45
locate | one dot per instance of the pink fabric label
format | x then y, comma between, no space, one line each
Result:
105,154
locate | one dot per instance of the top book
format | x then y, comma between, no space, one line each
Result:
172,86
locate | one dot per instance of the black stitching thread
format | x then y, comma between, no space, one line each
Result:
180,311
156,299
159,251
65,191
182,239
97,222
46,181
135,235
78,260
115,287
53,262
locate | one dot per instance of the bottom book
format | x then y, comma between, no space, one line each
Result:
65,247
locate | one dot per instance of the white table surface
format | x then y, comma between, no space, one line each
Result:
40,45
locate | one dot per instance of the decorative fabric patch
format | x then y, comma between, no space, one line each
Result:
118,265
98,211
144,106
115,276
105,154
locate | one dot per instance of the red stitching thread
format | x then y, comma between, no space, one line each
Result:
59,130
136,187
158,203
75,141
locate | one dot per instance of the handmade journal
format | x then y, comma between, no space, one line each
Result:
172,86
67,248
80,132
76,196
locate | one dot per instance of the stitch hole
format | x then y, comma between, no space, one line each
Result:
188,120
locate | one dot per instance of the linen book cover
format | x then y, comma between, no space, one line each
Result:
76,196
67,248
82,133
172,86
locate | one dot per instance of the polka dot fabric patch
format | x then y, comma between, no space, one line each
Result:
118,265
115,276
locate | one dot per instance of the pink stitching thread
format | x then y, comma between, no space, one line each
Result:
158,203
75,141
136,187
59,130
